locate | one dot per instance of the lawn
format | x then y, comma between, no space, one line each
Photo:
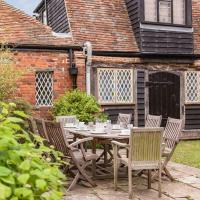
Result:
188,153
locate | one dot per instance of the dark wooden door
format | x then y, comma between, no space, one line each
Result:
164,95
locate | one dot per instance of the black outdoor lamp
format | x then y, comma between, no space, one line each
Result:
73,71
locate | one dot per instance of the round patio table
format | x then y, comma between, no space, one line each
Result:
102,170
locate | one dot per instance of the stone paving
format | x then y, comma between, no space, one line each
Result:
186,187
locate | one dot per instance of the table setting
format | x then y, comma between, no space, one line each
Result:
100,128
102,133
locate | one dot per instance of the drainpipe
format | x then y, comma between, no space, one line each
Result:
47,12
87,50
73,70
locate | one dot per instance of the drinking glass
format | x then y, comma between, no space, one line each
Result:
81,125
130,126
91,125
108,126
122,125
77,123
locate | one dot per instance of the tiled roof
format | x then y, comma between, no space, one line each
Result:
103,22
18,28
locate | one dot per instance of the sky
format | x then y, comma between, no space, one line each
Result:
25,5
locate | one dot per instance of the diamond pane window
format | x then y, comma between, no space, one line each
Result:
124,86
115,85
44,88
106,85
192,87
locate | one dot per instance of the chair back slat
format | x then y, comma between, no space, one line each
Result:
153,121
145,145
41,128
56,136
172,132
124,118
66,119
31,125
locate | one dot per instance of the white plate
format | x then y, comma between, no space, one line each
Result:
98,132
81,129
69,126
116,127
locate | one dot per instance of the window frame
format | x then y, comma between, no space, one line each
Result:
187,102
115,88
188,15
42,105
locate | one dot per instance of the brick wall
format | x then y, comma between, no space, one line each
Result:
31,62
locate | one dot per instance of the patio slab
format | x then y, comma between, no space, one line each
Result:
186,187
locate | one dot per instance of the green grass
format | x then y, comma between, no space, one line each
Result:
188,153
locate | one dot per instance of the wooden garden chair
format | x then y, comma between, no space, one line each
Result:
144,154
66,120
31,125
32,129
41,129
153,121
171,139
78,157
124,118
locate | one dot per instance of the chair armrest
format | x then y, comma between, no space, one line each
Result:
163,145
124,145
173,140
80,142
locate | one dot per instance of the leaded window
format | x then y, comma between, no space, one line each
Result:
179,8
150,9
192,87
165,11
115,86
44,88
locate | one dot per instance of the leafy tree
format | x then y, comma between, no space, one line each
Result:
9,74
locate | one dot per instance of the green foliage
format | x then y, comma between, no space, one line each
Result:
25,173
22,105
78,103
9,74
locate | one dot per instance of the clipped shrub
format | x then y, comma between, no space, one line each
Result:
25,173
86,108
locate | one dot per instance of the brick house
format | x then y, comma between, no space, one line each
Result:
145,55
45,55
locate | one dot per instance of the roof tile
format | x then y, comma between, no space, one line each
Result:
18,28
105,23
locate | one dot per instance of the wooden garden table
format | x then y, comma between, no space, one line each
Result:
101,170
